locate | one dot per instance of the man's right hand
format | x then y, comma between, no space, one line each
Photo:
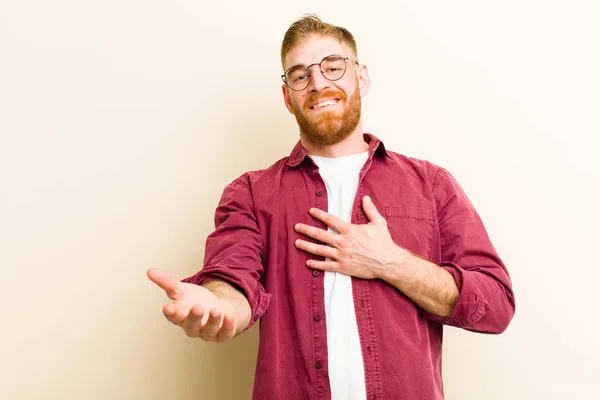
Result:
196,309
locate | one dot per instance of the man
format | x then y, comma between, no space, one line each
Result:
353,257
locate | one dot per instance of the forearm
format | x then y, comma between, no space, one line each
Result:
428,285
234,302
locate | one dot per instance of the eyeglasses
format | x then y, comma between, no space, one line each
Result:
332,67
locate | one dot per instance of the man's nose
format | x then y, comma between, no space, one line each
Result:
317,81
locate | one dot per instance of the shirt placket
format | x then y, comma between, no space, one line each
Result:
318,301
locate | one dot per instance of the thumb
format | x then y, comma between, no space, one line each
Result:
371,210
163,279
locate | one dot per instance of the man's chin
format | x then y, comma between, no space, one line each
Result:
325,137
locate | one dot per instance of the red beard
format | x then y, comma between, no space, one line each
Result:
329,127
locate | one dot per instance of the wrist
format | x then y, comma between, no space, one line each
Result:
395,266
224,295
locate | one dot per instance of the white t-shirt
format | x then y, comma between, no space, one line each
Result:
346,367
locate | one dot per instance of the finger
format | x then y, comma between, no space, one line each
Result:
227,330
193,323
165,281
371,211
330,220
209,331
316,233
175,313
332,266
316,249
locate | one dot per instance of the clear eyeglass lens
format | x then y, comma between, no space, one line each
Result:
333,67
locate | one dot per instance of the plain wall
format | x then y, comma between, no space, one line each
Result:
122,121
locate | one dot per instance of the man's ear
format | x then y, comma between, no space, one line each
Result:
286,98
364,81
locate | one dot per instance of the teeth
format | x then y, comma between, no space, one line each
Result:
325,103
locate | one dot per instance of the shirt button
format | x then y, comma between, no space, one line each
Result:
315,272
319,365
317,317
319,192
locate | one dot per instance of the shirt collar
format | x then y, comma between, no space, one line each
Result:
299,153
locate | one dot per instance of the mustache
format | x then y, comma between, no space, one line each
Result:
315,97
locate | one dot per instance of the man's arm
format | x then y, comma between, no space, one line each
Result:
226,296
233,260
486,302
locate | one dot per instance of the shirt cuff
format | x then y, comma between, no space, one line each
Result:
471,305
259,307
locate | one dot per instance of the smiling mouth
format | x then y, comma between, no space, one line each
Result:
324,104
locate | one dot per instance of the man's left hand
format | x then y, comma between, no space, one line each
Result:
364,251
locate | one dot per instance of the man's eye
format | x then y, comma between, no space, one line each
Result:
300,78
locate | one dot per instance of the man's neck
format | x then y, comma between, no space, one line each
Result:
352,144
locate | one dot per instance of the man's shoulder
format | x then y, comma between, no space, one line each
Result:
263,175
413,164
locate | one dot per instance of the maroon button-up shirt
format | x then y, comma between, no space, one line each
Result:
427,213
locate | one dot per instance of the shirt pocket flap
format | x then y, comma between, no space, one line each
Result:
409,212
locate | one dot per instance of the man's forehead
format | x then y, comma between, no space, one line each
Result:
313,49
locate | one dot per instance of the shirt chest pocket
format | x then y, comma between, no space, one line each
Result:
411,228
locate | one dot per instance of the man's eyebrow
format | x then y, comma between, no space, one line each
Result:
295,67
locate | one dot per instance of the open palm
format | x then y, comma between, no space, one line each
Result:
196,309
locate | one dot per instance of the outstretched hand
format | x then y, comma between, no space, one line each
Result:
364,251
195,309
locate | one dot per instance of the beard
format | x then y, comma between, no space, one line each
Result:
329,127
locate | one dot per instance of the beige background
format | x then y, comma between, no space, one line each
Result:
122,121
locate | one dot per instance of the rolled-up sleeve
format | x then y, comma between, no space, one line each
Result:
235,250
486,301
